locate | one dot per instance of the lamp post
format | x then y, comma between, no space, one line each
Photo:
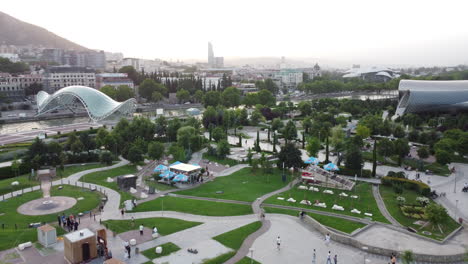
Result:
365,253
456,209
251,255
455,183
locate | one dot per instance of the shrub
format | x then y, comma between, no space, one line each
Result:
399,174
420,187
7,172
401,200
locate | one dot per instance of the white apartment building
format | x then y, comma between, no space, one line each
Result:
288,78
56,81
15,85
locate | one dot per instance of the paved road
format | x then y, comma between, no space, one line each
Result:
382,207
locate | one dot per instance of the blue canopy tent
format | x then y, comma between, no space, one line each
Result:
175,163
312,160
180,178
160,167
167,174
331,167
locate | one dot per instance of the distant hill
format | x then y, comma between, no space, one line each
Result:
17,32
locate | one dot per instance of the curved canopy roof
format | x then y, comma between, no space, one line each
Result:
97,104
429,96
434,86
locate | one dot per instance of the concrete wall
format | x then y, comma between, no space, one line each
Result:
345,239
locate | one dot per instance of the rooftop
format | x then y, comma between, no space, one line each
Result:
75,236
185,167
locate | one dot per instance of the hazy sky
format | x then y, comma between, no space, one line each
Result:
385,32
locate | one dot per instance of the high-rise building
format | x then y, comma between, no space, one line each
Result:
210,54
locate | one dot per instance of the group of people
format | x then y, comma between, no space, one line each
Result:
70,223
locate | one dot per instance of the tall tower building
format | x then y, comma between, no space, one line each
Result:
210,54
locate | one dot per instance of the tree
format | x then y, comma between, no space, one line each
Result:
337,138
306,124
172,128
76,147
353,158
231,97
124,93
212,98
290,156
445,144
148,87
183,95
313,146
109,91
407,257
271,86
156,150
131,73
385,147
305,107
218,134
156,97
135,154
374,159
198,96
265,97
363,131
223,149
15,165
177,152
423,153
100,136
184,135
435,213
276,124
256,117
401,148
106,157
289,131
399,132
443,157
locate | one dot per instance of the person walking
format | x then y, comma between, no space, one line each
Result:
278,243
141,230
59,220
127,248
327,239
122,212
393,259
329,258
335,259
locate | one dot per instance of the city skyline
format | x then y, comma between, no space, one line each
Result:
334,32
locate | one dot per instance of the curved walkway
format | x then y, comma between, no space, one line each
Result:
266,224
382,207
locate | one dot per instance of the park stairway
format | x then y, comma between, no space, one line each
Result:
329,179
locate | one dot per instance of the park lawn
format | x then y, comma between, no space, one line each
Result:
25,182
220,259
11,237
389,197
192,206
247,260
234,238
365,202
165,226
243,185
340,224
160,186
100,178
225,161
167,248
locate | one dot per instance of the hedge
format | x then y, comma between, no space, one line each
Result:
417,186
351,172
7,172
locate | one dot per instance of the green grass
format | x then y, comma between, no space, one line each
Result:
165,226
234,238
160,186
225,161
337,223
100,178
389,197
167,249
220,259
435,167
25,182
247,260
192,206
243,185
365,203
11,237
